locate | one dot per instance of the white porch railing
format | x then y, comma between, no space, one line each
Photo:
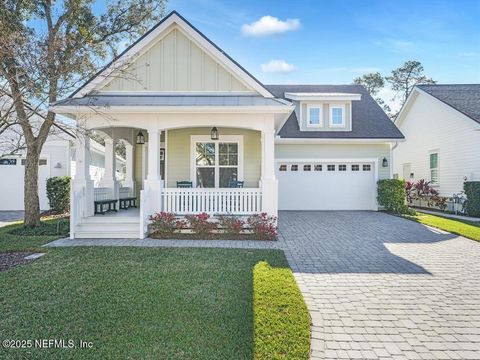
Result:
237,201
103,193
126,192
77,208
144,212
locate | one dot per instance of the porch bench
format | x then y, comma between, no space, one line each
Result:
104,206
128,202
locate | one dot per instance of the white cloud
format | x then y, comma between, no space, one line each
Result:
269,25
278,66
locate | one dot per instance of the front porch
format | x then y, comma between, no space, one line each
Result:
182,171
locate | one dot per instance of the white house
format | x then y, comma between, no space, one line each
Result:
441,124
56,159
206,136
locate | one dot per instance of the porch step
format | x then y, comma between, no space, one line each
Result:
94,228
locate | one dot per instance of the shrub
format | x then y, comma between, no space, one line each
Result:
392,195
58,193
472,191
423,191
264,227
201,225
232,225
166,223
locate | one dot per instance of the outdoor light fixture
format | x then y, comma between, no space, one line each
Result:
58,166
384,162
214,133
140,138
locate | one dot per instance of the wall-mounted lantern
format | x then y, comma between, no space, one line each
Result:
384,162
140,138
214,133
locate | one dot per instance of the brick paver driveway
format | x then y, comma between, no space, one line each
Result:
381,287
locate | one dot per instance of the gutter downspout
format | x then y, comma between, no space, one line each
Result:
391,157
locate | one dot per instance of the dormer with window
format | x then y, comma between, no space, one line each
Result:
324,111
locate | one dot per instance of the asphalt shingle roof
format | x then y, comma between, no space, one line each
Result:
369,121
462,97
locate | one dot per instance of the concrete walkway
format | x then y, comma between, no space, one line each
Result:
376,286
451,216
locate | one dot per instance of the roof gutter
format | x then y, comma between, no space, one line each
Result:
301,141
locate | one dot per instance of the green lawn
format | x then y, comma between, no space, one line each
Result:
147,303
469,229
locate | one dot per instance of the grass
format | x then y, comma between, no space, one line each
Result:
468,229
153,303
282,323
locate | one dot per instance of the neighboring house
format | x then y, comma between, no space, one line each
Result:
441,124
192,114
56,159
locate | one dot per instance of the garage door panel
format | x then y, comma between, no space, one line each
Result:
326,190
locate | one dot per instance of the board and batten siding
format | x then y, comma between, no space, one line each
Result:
178,154
340,151
431,125
175,63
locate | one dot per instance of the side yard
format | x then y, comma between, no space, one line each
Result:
153,303
468,229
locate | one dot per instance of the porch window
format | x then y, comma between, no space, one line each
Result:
216,163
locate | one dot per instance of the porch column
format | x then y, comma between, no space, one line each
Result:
82,178
129,182
109,179
268,183
153,182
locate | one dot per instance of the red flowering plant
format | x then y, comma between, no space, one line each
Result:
201,225
264,227
423,191
231,225
165,223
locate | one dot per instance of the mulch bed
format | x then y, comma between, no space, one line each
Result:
187,236
9,260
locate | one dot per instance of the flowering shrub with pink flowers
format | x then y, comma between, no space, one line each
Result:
165,223
232,225
201,225
264,227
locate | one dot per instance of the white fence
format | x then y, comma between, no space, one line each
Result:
236,201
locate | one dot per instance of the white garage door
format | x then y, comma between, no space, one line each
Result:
324,185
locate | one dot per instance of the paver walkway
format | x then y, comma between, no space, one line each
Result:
377,286
9,216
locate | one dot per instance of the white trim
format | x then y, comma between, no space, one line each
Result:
165,176
299,141
323,96
175,93
320,115
330,120
276,109
135,50
222,138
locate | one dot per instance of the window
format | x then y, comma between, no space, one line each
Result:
366,167
434,168
307,167
337,115
342,167
331,167
283,168
8,161
314,116
317,167
216,163
355,167
294,168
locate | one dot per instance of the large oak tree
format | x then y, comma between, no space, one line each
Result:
47,48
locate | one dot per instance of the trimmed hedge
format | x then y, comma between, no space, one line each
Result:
472,191
392,195
58,193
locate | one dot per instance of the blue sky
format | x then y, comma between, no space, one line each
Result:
331,42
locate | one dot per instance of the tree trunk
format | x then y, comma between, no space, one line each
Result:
31,200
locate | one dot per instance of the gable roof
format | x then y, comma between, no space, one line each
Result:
464,98
150,35
369,121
